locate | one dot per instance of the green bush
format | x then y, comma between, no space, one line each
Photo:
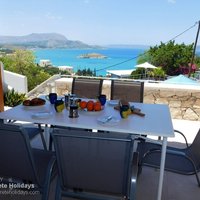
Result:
12,98
139,73
159,72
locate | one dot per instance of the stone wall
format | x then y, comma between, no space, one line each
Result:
183,101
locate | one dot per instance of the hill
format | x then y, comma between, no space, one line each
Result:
41,40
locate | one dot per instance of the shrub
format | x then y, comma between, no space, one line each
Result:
13,98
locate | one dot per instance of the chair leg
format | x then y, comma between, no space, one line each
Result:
42,137
197,177
43,141
195,170
58,195
50,143
134,175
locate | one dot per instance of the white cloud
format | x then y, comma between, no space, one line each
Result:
172,1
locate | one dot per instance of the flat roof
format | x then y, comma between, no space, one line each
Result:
67,67
121,72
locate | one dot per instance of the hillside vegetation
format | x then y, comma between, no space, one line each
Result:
23,62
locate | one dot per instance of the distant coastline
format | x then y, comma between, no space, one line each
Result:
128,46
41,41
56,40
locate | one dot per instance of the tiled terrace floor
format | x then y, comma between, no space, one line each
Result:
176,187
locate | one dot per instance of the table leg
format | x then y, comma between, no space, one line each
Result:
162,167
47,135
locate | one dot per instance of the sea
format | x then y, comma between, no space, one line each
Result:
117,58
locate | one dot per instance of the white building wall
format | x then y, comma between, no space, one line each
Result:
16,81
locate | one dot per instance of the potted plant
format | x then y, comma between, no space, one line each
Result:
13,98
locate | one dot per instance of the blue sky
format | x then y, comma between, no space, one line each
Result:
103,22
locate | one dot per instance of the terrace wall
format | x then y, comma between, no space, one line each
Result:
183,101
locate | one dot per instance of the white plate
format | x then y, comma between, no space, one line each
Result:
33,107
41,115
108,122
113,102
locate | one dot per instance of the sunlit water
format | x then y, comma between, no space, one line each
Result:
69,57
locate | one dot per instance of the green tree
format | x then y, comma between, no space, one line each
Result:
23,62
143,58
197,62
158,72
51,70
85,72
55,70
171,57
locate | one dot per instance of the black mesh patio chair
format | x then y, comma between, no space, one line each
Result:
32,131
131,91
183,161
95,165
22,164
87,88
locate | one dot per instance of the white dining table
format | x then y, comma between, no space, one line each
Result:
156,122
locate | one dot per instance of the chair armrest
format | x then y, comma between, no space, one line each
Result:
168,151
186,142
178,153
146,139
134,174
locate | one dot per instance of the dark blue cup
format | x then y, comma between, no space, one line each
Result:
52,97
102,99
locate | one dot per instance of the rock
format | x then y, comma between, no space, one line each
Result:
183,93
197,104
197,111
174,104
187,104
161,101
190,115
196,94
92,55
167,93
176,113
149,98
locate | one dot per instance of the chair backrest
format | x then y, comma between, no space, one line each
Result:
94,162
194,150
15,154
87,88
131,91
